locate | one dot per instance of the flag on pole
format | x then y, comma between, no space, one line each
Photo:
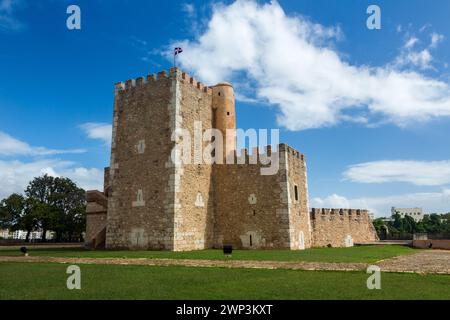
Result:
177,51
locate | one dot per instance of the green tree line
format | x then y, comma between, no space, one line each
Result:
431,223
48,204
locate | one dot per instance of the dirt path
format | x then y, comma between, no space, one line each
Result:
42,246
430,261
423,262
196,263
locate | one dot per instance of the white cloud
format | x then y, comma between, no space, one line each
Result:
409,58
333,201
436,39
422,58
291,63
189,9
421,173
10,146
431,202
425,27
100,131
15,175
411,42
8,21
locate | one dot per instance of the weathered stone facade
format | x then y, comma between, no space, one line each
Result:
341,227
155,202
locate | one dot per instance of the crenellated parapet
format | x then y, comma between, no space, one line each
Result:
327,212
161,76
341,227
262,155
292,152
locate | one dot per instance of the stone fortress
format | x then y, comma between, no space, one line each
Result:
151,202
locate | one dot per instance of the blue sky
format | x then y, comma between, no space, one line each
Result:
369,108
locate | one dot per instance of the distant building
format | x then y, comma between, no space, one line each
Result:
371,216
415,213
22,235
4,234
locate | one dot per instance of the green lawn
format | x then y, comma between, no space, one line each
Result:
48,281
366,254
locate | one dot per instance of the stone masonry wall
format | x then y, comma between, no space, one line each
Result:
95,223
156,203
96,207
253,210
341,227
299,218
141,145
194,217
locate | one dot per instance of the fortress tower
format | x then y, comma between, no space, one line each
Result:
225,115
152,202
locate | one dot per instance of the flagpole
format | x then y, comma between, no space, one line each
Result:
176,52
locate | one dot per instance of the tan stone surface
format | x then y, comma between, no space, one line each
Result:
96,210
333,226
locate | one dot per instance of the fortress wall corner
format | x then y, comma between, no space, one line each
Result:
297,183
194,216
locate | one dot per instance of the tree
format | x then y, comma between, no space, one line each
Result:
409,224
16,214
397,223
11,210
51,203
378,223
28,220
432,223
70,205
41,192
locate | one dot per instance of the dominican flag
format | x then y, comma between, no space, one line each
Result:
177,51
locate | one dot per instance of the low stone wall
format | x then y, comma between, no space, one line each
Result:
341,227
432,244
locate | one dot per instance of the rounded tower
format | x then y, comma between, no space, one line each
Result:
224,115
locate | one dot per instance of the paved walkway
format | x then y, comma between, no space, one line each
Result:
433,261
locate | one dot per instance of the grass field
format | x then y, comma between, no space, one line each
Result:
48,281
366,254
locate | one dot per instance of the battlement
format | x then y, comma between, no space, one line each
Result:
161,76
244,156
319,212
291,151
256,155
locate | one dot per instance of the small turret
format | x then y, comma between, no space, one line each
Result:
224,115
